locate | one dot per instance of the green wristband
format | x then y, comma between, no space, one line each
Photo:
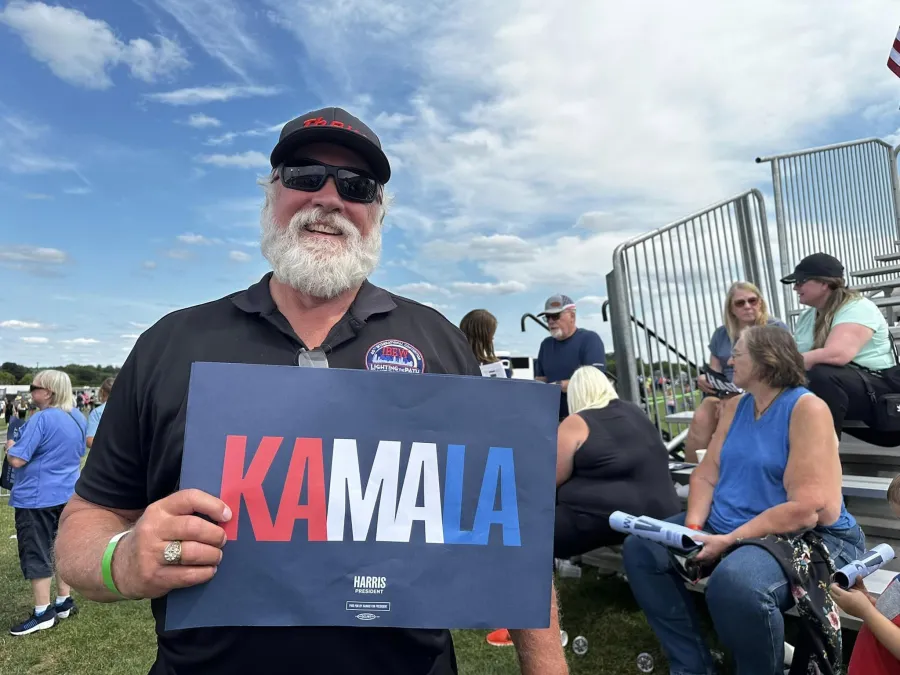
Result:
106,564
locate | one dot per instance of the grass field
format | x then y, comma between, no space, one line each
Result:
119,639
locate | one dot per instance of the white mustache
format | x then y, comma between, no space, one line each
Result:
306,217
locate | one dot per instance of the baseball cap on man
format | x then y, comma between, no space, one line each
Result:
557,303
815,265
333,125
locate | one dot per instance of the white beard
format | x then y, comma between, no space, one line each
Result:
556,332
316,266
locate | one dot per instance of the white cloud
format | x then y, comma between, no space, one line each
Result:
81,50
130,336
35,340
149,264
591,300
437,306
201,121
32,254
178,254
38,196
500,288
249,243
226,138
77,191
422,287
504,247
137,324
211,94
14,323
196,239
81,341
244,160
239,256
218,26
28,163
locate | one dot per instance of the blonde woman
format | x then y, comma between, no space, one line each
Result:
609,458
47,460
744,306
845,341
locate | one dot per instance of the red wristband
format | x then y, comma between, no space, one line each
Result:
694,527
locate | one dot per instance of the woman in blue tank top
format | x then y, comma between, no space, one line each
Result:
772,467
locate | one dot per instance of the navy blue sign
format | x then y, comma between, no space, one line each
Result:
372,498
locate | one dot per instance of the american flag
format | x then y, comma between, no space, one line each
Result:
894,59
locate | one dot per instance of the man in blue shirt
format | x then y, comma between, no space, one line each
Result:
567,349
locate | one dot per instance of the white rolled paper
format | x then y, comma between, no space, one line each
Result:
860,569
668,534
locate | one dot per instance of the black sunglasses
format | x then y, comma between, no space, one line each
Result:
33,388
553,317
352,184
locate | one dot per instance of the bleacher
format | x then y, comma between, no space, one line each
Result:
650,324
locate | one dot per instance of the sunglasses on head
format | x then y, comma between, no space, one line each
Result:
353,185
746,301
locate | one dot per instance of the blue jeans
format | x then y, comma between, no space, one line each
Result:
746,595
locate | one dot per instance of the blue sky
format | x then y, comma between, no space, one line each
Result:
526,142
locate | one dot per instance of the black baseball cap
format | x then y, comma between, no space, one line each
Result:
815,265
333,125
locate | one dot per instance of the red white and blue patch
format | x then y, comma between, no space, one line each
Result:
395,356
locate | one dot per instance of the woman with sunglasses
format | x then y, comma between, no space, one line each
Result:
744,307
47,460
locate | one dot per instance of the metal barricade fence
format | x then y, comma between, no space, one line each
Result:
839,199
667,290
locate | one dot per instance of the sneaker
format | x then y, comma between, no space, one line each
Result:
47,619
499,638
64,609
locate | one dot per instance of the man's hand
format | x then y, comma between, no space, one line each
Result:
139,568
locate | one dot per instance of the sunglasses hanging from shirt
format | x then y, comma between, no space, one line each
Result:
352,184
312,358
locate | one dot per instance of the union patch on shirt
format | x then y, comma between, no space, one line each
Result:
395,356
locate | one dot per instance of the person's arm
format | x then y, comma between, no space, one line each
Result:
812,477
20,452
540,651
884,630
137,567
706,475
93,423
843,344
573,431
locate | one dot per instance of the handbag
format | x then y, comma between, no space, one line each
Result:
7,474
886,407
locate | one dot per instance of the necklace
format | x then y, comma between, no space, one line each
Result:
760,413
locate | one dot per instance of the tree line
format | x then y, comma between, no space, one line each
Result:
81,376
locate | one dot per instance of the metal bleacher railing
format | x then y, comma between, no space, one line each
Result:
667,288
841,199
665,296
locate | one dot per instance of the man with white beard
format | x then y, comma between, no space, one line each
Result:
129,532
567,349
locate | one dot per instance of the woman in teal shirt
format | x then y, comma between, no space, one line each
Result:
845,341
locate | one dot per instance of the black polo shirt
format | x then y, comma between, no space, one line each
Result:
136,460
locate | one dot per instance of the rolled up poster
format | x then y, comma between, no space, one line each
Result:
860,569
669,534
